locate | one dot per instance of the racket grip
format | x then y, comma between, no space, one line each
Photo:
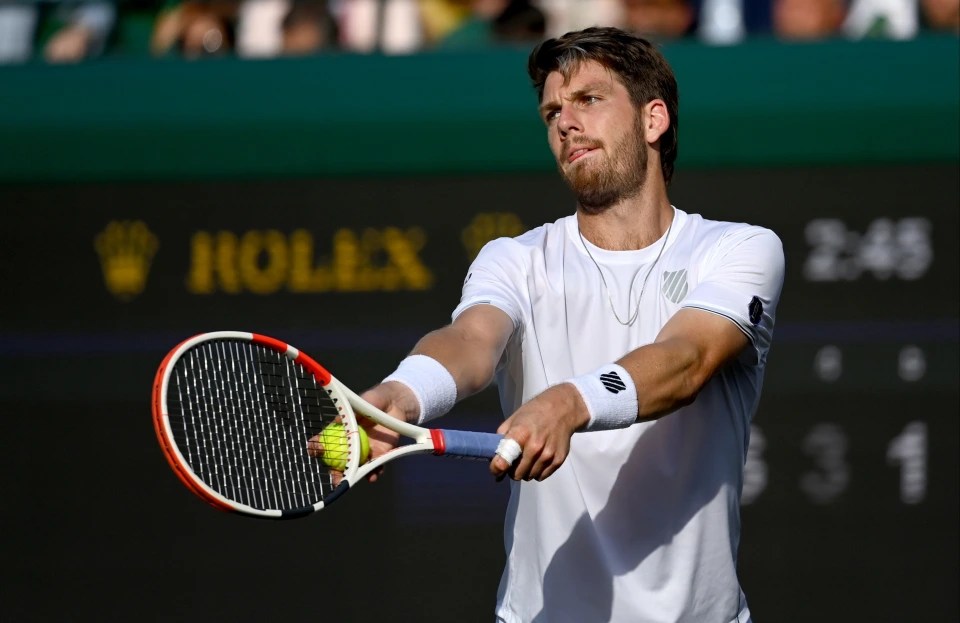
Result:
466,444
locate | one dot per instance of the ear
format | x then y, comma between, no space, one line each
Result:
656,120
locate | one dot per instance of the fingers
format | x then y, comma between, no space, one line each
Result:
536,460
509,450
382,440
543,428
499,467
375,475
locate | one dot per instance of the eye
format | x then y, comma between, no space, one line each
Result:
590,99
551,115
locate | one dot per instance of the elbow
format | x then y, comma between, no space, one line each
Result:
686,393
695,375
482,375
675,385
686,398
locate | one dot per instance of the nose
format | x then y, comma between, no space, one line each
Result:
568,122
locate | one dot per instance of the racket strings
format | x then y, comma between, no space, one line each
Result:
242,415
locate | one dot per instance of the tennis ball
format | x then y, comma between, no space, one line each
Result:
333,438
364,445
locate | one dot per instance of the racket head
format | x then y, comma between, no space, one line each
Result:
234,411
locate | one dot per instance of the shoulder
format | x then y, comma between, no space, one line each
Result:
717,238
523,248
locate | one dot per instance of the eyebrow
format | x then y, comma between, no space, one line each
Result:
602,87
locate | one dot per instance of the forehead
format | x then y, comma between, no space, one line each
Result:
586,73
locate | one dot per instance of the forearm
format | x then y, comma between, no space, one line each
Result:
469,358
667,375
663,376
691,348
454,362
645,384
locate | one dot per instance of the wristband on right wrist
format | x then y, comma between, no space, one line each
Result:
431,383
610,396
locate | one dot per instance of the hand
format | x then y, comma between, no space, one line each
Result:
395,399
69,45
543,428
167,30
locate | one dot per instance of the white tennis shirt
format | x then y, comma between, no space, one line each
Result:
639,525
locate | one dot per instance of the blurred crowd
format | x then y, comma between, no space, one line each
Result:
62,31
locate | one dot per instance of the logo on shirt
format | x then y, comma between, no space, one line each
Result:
611,380
756,310
675,285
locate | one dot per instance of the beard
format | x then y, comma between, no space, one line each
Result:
609,180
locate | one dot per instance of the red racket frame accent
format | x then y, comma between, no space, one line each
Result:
168,451
170,454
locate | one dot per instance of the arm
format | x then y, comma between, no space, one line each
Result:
469,349
688,351
86,34
668,374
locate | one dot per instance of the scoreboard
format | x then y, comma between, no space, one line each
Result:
851,481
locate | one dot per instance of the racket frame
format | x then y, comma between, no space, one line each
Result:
349,404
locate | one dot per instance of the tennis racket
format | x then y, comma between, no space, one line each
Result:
234,413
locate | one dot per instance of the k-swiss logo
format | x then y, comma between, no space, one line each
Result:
675,285
611,380
756,310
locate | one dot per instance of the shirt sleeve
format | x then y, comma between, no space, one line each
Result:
493,279
742,280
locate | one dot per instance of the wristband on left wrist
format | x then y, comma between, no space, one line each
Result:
610,397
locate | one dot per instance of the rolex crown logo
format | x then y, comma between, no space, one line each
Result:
486,226
126,249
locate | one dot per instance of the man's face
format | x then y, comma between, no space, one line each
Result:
596,135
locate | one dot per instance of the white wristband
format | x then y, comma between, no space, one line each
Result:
431,383
610,396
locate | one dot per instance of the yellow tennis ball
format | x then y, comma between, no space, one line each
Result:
333,438
364,446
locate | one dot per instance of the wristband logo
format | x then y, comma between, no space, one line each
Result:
612,381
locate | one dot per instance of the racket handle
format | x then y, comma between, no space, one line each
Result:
465,444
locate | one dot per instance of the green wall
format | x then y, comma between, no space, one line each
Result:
759,103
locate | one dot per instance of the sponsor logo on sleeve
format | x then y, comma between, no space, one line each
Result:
756,310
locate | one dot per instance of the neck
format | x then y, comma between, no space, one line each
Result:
633,223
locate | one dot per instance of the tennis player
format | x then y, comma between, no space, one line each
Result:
640,327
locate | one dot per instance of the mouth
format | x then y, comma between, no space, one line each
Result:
576,154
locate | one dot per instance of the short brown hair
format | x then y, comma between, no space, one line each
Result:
639,66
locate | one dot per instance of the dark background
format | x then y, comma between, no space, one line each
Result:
851,496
